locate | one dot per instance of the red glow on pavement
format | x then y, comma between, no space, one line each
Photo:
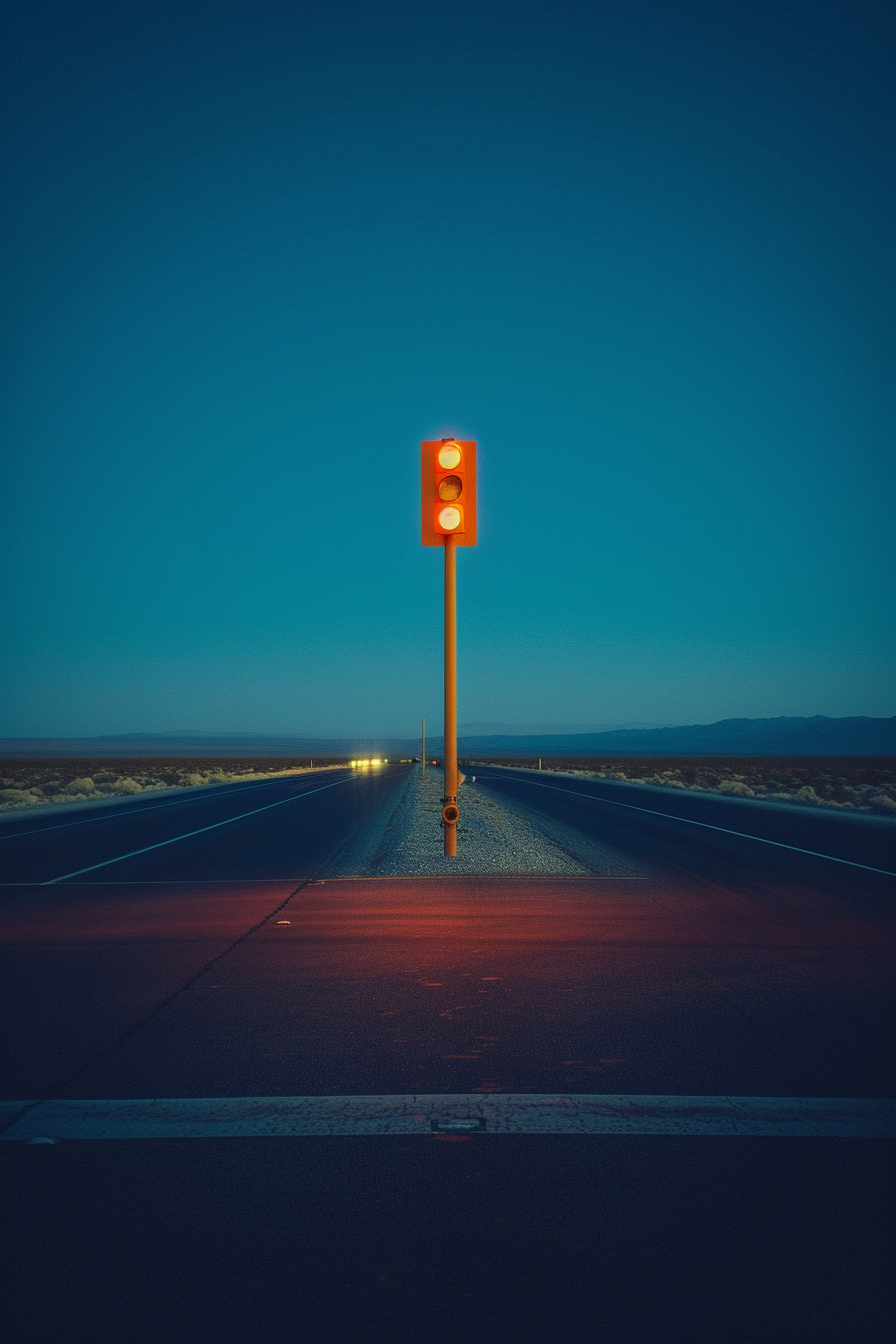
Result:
395,914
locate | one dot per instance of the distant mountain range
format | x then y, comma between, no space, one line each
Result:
545,729
815,736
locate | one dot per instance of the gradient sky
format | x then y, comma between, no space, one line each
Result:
257,250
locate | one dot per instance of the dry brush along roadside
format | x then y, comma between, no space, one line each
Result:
33,782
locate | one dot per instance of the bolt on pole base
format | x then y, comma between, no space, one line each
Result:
450,818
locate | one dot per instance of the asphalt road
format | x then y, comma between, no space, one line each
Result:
281,828
714,835
218,966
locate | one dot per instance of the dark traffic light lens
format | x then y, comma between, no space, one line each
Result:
450,487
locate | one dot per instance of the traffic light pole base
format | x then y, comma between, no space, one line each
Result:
450,818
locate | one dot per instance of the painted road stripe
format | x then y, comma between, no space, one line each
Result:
296,797
474,1113
670,816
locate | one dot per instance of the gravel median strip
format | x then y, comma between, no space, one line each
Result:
404,839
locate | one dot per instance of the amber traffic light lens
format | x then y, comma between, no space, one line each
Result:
449,519
449,456
450,487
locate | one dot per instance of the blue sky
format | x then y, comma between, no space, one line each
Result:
642,252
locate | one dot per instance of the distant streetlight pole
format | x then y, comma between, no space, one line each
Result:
423,748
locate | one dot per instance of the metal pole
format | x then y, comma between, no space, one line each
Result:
450,811
423,752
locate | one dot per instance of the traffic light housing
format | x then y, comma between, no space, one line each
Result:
448,491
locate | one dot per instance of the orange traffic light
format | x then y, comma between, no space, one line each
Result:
448,491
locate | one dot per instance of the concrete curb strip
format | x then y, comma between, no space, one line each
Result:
422,1114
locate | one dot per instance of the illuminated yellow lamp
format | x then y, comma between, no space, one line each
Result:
449,456
449,519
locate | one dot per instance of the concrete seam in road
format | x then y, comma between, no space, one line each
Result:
186,836
170,882
145,1021
454,877
670,816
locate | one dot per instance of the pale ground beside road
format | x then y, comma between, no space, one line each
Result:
62,783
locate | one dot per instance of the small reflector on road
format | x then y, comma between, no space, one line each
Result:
284,921
472,1126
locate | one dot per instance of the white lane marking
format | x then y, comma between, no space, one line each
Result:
492,1113
296,797
670,816
110,815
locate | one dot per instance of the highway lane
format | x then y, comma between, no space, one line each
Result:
396,986
713,835
683,982
283,828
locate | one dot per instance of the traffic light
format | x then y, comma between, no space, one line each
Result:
448,491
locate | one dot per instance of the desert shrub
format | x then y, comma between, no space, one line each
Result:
19,796
127,786
83,785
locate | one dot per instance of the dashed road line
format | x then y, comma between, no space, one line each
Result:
296,797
